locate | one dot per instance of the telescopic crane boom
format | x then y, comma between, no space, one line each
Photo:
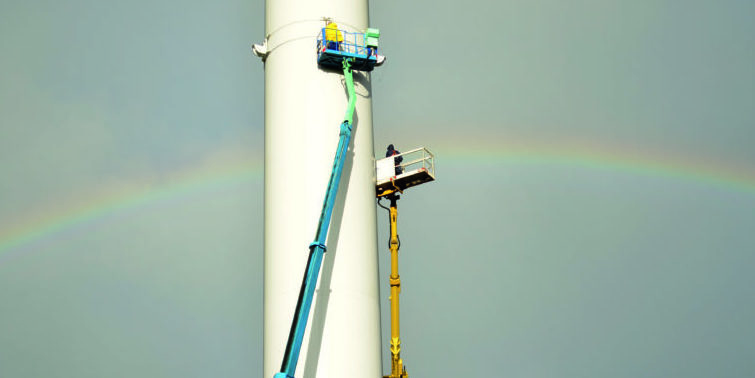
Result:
346,54
398,370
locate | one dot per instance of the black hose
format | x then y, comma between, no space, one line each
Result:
389,224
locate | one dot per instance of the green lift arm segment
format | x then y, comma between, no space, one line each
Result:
349,76
317,248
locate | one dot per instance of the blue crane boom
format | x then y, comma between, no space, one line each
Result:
335,49
317,248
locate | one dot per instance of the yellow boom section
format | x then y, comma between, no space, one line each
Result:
397,364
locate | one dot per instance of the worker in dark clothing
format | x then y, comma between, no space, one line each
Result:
397,160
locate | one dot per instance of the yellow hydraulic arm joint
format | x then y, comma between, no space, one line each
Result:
397,364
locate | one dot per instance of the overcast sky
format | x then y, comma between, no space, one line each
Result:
593,214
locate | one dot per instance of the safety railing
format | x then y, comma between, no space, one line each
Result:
418,159
350,43
413,161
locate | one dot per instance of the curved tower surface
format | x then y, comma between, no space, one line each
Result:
304,108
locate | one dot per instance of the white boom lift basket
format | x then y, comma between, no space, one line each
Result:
416,167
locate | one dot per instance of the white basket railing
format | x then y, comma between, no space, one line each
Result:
412,160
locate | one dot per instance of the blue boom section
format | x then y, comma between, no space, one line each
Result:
317,248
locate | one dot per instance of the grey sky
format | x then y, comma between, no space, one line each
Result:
527,266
